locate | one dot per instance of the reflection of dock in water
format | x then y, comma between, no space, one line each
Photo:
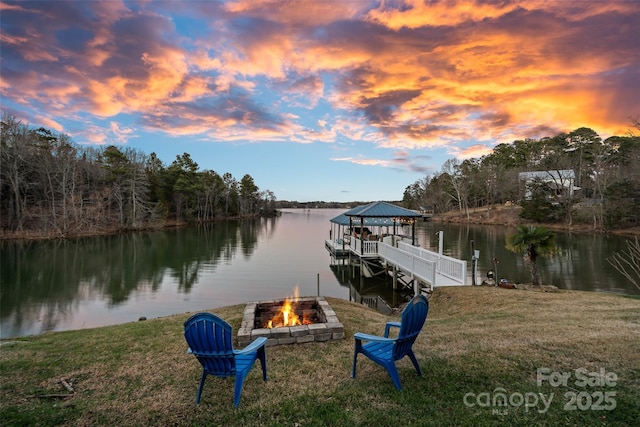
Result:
375,291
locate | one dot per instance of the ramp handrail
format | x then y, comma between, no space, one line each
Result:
452,268
421,268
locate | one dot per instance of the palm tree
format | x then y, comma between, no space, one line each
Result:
532,241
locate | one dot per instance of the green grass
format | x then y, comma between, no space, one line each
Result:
477,342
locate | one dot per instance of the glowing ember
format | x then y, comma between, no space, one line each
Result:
287,315
322,325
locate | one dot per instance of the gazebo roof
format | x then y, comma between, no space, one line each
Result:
381,210
342,219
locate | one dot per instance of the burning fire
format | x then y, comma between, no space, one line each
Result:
287,316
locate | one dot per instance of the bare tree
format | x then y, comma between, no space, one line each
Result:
210,196
635,125
141,208
436,193
269,202
458,184
231,191
15,161
628,263
129,185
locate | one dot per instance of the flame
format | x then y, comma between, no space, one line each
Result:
287,316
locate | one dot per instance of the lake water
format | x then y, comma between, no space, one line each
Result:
89,282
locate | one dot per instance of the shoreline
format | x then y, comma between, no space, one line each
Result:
37,235
509,216
467,346
506,216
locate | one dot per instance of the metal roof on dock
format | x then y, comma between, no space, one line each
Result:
381,210
376,213
342,219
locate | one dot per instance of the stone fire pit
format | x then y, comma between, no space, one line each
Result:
325,326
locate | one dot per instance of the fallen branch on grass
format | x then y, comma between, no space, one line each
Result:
52,396
66,385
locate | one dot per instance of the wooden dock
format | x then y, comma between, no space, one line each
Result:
410,265
338,248
382,237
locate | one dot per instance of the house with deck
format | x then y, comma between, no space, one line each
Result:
558,182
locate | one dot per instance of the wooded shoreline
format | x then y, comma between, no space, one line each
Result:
510,216
35,235
495,216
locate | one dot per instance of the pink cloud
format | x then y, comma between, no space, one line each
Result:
404,76
362,161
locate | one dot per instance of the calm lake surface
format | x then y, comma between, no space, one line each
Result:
98,281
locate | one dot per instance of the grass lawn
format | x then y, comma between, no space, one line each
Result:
491,356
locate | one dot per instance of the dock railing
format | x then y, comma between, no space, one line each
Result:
366,247
446,266
421,268
422,263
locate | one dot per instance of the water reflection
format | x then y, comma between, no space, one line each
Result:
82,283
43,283
580,264
375,292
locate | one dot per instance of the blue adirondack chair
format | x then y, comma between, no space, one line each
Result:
210,339
386,351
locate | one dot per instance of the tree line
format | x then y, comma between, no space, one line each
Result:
603,192
51,187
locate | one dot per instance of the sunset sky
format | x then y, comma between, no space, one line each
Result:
320,100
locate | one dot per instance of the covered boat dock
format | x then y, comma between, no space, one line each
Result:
382,237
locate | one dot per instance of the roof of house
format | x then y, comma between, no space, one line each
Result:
551,174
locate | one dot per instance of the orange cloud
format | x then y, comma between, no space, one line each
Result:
302,13
4,7
51,124
496,70
474,151
419,13
399,75
205,62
